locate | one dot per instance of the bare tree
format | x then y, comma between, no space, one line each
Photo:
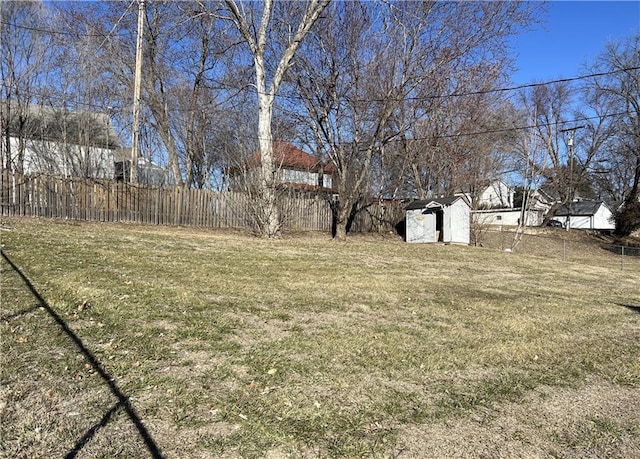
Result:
572,131
461,147
27,55
550,106
182,67
270,65
617,95
373,72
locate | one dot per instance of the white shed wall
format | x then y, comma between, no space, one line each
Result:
420,227
460,215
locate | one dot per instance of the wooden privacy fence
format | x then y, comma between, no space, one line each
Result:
110,201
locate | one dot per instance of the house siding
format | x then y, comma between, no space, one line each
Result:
603,219
65,160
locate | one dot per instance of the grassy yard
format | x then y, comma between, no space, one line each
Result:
129,341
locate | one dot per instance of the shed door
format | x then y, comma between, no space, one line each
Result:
421,227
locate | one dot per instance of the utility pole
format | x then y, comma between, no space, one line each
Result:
135,144
570,187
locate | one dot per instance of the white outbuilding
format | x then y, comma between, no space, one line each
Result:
595,215
445,220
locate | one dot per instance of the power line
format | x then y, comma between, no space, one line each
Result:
533,85
52,32
116,25
409,98
523,128
484,91
112,109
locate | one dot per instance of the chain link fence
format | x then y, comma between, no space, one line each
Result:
579,246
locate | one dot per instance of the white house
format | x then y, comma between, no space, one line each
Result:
594,215
493,205
445,220
540,200
44,140
495,194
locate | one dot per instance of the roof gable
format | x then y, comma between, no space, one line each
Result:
482,186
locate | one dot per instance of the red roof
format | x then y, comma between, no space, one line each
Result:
291,157
288,155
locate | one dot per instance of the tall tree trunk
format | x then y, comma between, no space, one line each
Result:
268,215
269,218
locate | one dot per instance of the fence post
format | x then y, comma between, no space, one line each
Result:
622,258
564,249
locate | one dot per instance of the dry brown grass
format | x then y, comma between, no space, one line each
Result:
217,344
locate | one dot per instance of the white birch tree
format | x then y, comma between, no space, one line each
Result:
257,35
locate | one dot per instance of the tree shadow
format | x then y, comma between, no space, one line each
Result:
123,400
631,307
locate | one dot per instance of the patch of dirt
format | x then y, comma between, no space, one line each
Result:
597,420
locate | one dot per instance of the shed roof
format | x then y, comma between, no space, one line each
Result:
435,202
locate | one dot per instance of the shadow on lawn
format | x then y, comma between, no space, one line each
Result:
123,400
631,307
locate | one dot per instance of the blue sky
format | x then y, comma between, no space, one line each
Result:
573,33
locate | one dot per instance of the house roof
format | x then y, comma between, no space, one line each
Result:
435,202
61,125
581,208
289,156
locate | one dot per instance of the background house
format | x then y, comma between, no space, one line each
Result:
149,173
439,220
295,169
494,205
45,140
495,194
541,200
